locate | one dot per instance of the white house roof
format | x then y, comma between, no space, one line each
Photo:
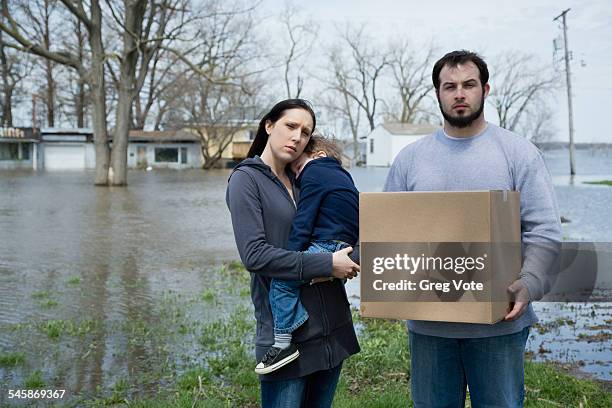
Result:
396,128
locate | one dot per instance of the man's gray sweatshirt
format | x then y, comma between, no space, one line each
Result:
494,159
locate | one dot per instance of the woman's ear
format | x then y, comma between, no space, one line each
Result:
321,153
269,126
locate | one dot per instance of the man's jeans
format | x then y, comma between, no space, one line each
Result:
314,390
287,310
491,367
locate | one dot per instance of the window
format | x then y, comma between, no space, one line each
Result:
9,151
166,154
371,145
25,151
183,155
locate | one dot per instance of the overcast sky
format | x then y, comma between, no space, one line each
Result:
491,27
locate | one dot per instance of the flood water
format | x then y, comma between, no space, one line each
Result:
113,259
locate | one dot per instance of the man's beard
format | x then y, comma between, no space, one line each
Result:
463,121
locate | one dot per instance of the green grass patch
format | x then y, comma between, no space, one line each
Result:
208,295
75,280
600,182
34,381
49,303
42,294
56,328
545,384
12,359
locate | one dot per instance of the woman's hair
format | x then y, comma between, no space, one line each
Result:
261,138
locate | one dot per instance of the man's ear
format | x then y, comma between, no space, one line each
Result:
487,88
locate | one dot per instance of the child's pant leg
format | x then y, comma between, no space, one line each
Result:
287,310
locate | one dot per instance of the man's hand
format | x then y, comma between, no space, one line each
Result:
519,296
343,267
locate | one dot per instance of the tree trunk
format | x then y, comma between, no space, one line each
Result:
134,13
50,98
50,91
98,95
7,88
79,105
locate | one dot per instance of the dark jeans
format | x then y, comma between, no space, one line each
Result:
287,310
491,367
312,391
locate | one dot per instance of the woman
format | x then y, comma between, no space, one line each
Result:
262,202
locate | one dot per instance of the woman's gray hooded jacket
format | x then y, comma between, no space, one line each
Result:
262,212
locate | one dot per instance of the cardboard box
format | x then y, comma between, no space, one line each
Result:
460,250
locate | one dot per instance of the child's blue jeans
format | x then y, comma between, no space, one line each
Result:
287,310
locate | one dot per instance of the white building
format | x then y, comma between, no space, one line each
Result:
67,149
386,141
170,149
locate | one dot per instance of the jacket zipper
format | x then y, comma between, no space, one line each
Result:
325,327
284,189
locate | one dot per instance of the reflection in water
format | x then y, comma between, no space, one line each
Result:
102,259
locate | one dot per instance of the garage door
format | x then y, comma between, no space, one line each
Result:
64,157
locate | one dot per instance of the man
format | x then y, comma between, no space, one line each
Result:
471,154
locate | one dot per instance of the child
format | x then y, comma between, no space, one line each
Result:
326,220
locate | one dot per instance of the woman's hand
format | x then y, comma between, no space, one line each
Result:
343,267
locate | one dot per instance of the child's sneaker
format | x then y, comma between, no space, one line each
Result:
275,358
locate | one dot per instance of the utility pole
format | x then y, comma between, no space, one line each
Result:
569,93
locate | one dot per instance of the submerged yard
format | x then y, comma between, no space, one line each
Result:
204,362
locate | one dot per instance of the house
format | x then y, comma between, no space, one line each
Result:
19,148
386,141
67,149
240,144
172,149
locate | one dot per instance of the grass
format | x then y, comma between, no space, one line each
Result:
34,381
208,295
12,359
75,280
600,182
216,367
55,328
43,294
49,303
379,376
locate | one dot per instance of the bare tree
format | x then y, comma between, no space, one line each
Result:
13,70
540,127
411,72
356,78
218,97
519,82
39,21
140,36
219,113
302,34
73,95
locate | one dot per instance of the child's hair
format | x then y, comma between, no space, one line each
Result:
318,143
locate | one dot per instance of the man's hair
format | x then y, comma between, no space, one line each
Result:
318,143
454,58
